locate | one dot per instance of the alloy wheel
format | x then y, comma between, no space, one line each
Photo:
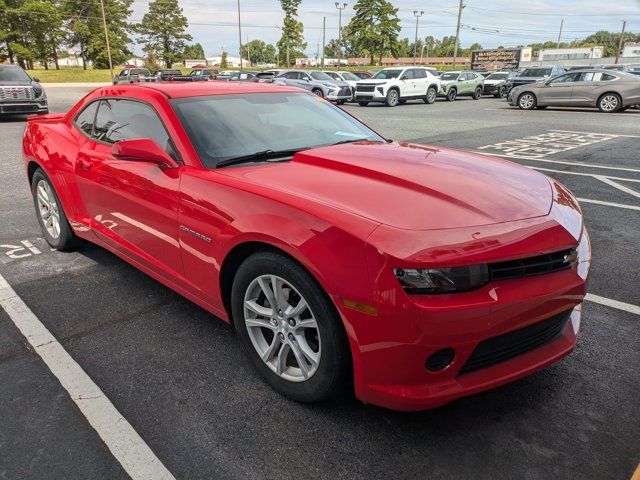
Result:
48,209
282,328
609,103
431,95
527,101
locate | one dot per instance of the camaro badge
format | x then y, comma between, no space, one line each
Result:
195,234
570,257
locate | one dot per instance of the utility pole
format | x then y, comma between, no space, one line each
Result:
240,36
324,29
560,32
624,25
106,37
415,41
455,47
340,8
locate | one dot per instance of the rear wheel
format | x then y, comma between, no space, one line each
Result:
477,93
393,98
609,102
53,221
431,96
527,101
452,94
289,328
363,104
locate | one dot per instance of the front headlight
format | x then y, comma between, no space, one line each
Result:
38,90
442,280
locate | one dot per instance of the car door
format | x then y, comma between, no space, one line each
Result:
132,205
419,82
558,90
469,83
406,83
589,87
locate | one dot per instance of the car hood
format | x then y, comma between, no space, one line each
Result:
447,82
408,186
373,82
337,83
494,81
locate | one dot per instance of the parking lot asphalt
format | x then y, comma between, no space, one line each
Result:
177,374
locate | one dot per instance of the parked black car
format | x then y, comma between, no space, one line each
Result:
19,93
533,75
197,75
168,74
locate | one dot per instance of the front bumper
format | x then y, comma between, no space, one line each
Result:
377,95
395,343
333,97
22,107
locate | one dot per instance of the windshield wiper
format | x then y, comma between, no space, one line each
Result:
264,155
352,140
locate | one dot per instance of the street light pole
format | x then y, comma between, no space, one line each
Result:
106,37
340,8
455,47
415,42
240,35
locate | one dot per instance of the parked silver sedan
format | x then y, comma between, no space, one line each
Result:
608,90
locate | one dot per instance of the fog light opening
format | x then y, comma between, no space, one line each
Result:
440,360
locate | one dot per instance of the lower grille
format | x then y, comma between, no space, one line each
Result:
525,267
16,93
505,347
8,108
344,91
365,88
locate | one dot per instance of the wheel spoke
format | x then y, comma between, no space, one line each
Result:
300,358
297,310
259,323
266,289
270,352
281,362
258,309
305,349
306,323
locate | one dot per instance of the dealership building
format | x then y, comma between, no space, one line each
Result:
560,54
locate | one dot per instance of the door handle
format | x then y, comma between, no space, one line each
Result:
85,163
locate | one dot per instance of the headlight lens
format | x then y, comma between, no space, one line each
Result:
442,280
38,90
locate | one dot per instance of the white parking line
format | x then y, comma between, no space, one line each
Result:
610,134
562,162
622,188
565,172
609,204
626,307
121,439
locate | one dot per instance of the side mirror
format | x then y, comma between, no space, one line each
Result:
143,150
36,79
460,79
403,77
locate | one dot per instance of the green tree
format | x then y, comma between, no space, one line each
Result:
194,52
374,28
86,31
223,60
258,51
43,28
475,46
291,43
332,49
163,31
446,46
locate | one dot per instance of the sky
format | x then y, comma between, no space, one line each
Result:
492,23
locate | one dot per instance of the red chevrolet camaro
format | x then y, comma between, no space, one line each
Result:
414,275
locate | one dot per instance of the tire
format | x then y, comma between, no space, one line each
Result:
324,341
527,101
477,93
609,103
452,94
363,104
393,98
503,92
431,96
51,217
318,92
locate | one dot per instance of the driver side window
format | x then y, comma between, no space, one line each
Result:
566,78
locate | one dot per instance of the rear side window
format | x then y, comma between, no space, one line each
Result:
607,77
125,120
84,121
419,73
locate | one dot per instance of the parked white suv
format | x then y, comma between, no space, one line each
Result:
397,85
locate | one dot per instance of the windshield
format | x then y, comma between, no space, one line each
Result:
387,74
536,72
350,76
449,76
13,74
321,76
222,127
497,76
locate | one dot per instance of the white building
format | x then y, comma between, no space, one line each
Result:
631,49
231,61
135,61
559,54
193,63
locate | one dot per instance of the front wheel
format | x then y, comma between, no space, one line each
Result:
289,328
53,221
318,92
527,101
393,98
452,94
477,93
609,103
431,96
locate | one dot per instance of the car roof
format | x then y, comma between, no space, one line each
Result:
196,89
